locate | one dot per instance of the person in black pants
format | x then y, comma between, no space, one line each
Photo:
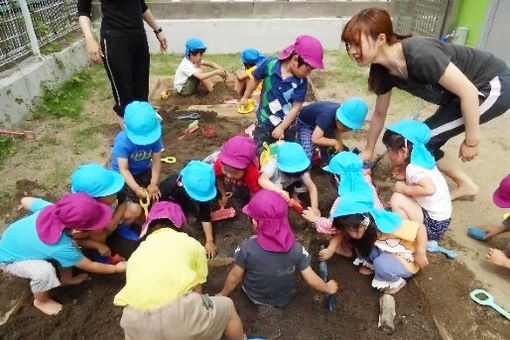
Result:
123,47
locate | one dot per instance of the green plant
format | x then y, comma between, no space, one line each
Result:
6,148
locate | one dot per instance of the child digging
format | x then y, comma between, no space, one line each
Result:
250,58
268,263
286,172
162,297
27,245
137,156
421,192
189,73
284,89
323,123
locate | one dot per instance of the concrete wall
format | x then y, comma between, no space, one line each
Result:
494,36
471,15
20,86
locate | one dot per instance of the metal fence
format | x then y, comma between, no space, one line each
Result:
422,17
28,25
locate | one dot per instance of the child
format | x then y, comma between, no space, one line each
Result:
162,297
501,198
347,169
424,196
193,189
237,164
189,73
268,263
322,124
250,58
27,245
392,248
137,156
103,185
284,89
287,171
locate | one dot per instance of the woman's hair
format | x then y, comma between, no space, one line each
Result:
364,245
372,22
394,141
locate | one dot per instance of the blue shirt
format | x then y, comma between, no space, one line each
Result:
321,114
139,156
278,94
20,242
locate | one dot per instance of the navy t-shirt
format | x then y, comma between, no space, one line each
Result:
321,114
269,277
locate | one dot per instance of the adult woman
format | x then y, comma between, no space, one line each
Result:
470,86
123,47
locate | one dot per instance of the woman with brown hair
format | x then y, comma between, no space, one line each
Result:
469,85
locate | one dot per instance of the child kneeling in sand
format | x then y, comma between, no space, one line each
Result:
162,297
27,245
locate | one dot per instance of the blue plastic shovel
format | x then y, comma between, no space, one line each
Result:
433,246
488,300
323,269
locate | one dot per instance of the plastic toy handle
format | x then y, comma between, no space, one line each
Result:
448,252
487,301
477,234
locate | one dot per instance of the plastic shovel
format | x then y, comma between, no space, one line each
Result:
223,214
433,246
323,269
488,300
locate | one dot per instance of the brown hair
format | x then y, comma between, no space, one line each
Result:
371,22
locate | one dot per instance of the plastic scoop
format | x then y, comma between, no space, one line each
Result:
223,214
433,247
323,269
488,300
477,234
295,205
246,108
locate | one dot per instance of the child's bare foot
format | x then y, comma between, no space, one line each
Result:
498,258
365,271
74,280
396,289
466,191
48,307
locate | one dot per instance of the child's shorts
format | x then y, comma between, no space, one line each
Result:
42,274
190,86
128,195
435,229
193,316
262,133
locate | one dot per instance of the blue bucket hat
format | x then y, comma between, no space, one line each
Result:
141,123
96,181
291,157
356,203
350,168
252,56
193,44
199,181
419,134
352,113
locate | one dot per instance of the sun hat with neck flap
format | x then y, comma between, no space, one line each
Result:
74,211
270,210
164,210
308,48
239,152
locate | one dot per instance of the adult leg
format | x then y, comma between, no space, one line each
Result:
140,70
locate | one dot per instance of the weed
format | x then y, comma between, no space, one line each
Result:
60,175
84,140
6,148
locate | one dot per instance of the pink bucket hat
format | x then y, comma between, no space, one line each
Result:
269,209
164,210
501,196
239,152
308,48
74,211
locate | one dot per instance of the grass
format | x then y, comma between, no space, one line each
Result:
6,148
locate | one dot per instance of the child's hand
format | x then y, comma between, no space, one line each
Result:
310,215
494,230
278,132
316,211
104,250
210,249
154,192
121,267
141,192
400,186
420,259
284,194
338,146
325,254
497,257
222,202
332,287
243,101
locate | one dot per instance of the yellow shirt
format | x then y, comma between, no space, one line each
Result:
249,72
165,266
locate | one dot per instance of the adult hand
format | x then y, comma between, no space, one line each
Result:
420,259
93,50
210,249
310,215
154,192
278,132
332,287
163,43
467,153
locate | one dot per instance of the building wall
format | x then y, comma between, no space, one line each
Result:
472,15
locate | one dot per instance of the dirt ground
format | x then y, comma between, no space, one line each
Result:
434,305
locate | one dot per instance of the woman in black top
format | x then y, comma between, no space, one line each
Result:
123,47
470,86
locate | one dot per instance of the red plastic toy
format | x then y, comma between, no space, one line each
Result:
295,205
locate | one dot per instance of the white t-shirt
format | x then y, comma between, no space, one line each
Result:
185,70
439,204
270,169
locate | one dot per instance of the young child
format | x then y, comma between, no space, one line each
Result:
268,263
421,192
322,124
27,245
137,156
189,73
193,189
250,58
285,172
347,169
162,297
394,249
284,89
103,185
501,198
237,164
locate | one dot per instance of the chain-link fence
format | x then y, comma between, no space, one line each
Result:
49,19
